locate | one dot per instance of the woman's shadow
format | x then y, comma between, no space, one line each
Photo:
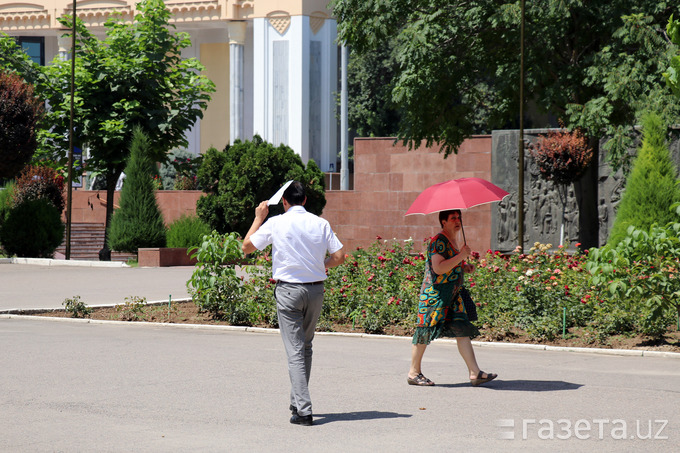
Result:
522,385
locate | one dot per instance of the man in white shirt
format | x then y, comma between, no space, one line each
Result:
300,241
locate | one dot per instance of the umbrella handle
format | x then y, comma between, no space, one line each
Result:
463,230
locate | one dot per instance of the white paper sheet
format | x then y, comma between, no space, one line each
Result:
278,195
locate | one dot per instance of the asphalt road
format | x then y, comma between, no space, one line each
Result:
79,386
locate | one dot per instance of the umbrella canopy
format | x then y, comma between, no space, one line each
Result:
461,193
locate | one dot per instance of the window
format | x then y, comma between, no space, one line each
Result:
34,47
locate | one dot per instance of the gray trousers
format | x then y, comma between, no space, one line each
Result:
298,307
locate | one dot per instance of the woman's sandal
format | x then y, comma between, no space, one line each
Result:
479,380
419,380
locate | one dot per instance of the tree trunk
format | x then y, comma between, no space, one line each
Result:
586,191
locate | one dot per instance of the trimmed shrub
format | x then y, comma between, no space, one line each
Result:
562,156
246,173
138,222
651,187
32,229
20,111
187,231
40,182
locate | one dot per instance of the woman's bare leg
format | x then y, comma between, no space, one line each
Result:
417,352
468,355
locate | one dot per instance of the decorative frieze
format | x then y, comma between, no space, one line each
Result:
316,21
280,20
23,17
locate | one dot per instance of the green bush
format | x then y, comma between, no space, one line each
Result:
76,307
138,222
32,229
214,285
378,287
187,231
643,271
246,173
40,182
651,188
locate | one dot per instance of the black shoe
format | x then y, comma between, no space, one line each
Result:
293,409
304,420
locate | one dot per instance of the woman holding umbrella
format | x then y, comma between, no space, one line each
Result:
441,312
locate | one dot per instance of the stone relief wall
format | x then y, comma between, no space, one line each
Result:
551,210
589,204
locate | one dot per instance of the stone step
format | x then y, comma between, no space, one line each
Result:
86,241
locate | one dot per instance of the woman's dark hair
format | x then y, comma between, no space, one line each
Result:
295,193
444,215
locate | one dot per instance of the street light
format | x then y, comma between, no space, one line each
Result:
70,138
520,182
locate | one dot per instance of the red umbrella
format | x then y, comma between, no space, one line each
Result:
461,193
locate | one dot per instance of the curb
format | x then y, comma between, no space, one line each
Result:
6,314
53,262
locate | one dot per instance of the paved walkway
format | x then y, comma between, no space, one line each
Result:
106,386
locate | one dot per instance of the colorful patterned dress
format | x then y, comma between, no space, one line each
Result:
441,312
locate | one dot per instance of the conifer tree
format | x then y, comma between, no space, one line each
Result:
651,187
138,221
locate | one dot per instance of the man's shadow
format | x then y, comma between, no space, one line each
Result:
522,385
320,419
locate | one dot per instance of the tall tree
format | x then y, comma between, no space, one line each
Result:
651,188
460,59
134,77
138,222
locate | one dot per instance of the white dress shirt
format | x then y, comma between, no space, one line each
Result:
299,241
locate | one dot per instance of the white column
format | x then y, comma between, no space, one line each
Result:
237,36
64,44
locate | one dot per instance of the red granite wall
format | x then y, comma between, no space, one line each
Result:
88,206
388,178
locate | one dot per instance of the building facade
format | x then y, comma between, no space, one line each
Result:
274,63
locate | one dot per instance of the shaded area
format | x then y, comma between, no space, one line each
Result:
522,385
320,419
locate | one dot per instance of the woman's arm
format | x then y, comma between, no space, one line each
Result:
442,266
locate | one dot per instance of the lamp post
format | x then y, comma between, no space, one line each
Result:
520,182
70,138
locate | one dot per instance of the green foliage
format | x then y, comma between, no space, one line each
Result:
246,173
76,307
672,74
40,182
32,229
187,231
651,187
132,309
642,269
20,112
377,288
6,200
138,222
594,64
530,291
214,285
369,92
